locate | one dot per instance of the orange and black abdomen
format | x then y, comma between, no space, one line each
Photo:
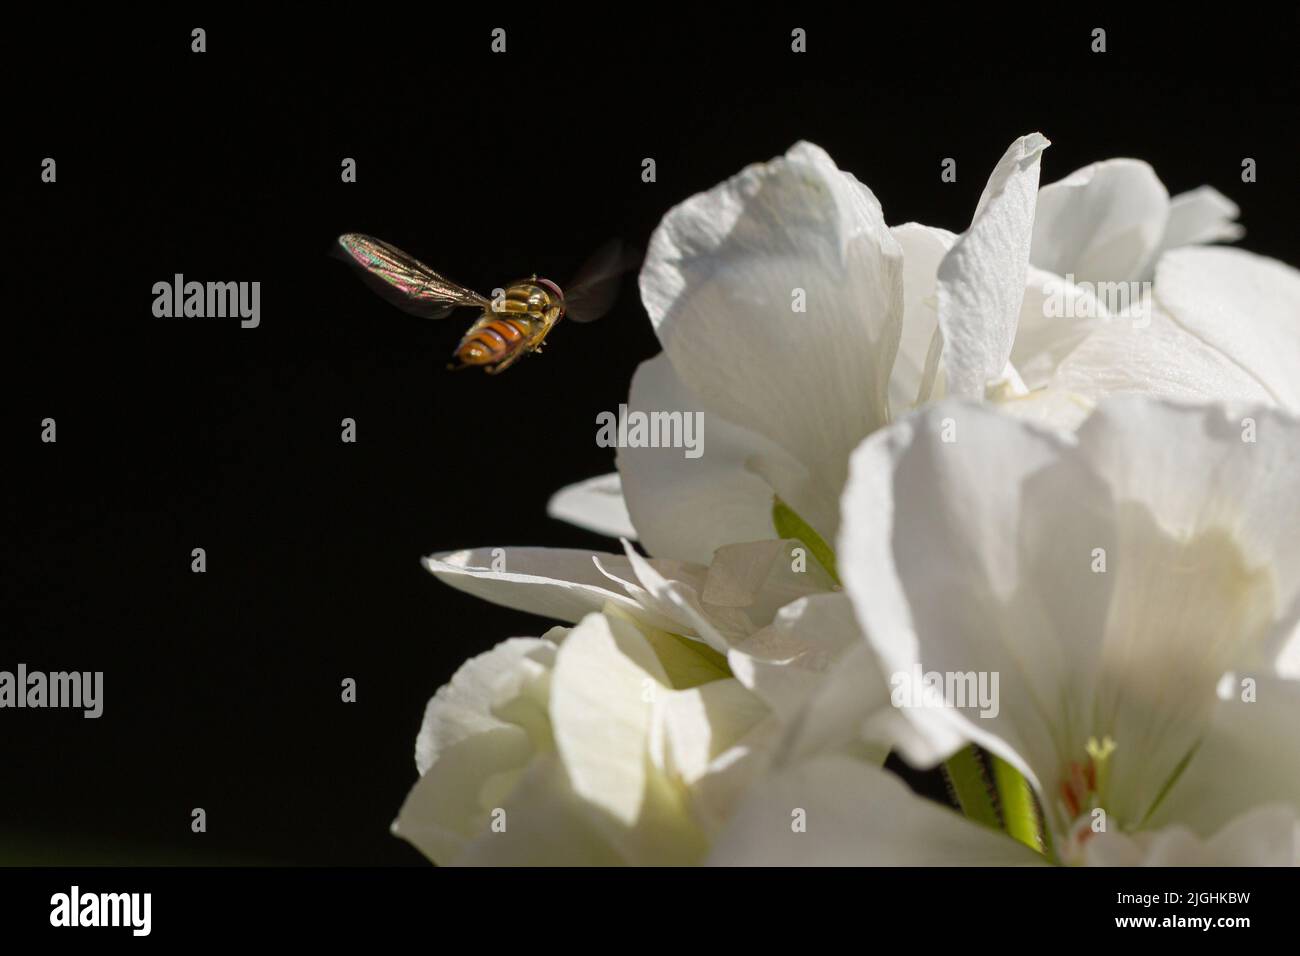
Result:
517,323
494,341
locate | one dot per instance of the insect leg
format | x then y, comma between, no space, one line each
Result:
505,363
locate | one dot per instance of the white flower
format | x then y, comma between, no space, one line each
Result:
897,317
607,743
769,612
1137,589
788,394
782,633
799,324
1217,324
720,605
1112,220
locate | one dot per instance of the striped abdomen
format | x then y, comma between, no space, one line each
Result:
494,340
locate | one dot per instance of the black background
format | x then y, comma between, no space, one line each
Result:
222,690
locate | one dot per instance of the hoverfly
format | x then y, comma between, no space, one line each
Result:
510,326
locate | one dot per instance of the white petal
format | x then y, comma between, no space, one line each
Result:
741,592
1103,222
569,584
696,726
1287,662
1158,357
596,505
546,823
677,600
1245,306
1250,755
686,508
855,814
957,556
1265,836
1194,474
559,583
463,706
1201,215
716,739
467,756
1055,317
720,283
1050,407
1206,572
731,774
981,280
601,695
850,713
606,680
761,577
686,660
786,662
923,249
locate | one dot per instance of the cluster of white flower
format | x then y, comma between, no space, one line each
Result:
931,468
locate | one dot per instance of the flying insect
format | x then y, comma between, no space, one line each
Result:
513,323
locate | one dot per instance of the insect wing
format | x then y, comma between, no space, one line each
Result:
593,290
405,281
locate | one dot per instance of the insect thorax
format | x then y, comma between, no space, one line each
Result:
528,298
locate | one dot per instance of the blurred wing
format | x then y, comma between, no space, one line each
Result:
405,281
594,289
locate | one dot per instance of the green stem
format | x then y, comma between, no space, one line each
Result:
970,784
1019,815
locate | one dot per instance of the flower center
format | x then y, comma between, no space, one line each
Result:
1085,784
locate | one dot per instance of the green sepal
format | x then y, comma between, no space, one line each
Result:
788,524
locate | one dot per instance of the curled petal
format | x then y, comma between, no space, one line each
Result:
1101,223
981,281
595,504
778,298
